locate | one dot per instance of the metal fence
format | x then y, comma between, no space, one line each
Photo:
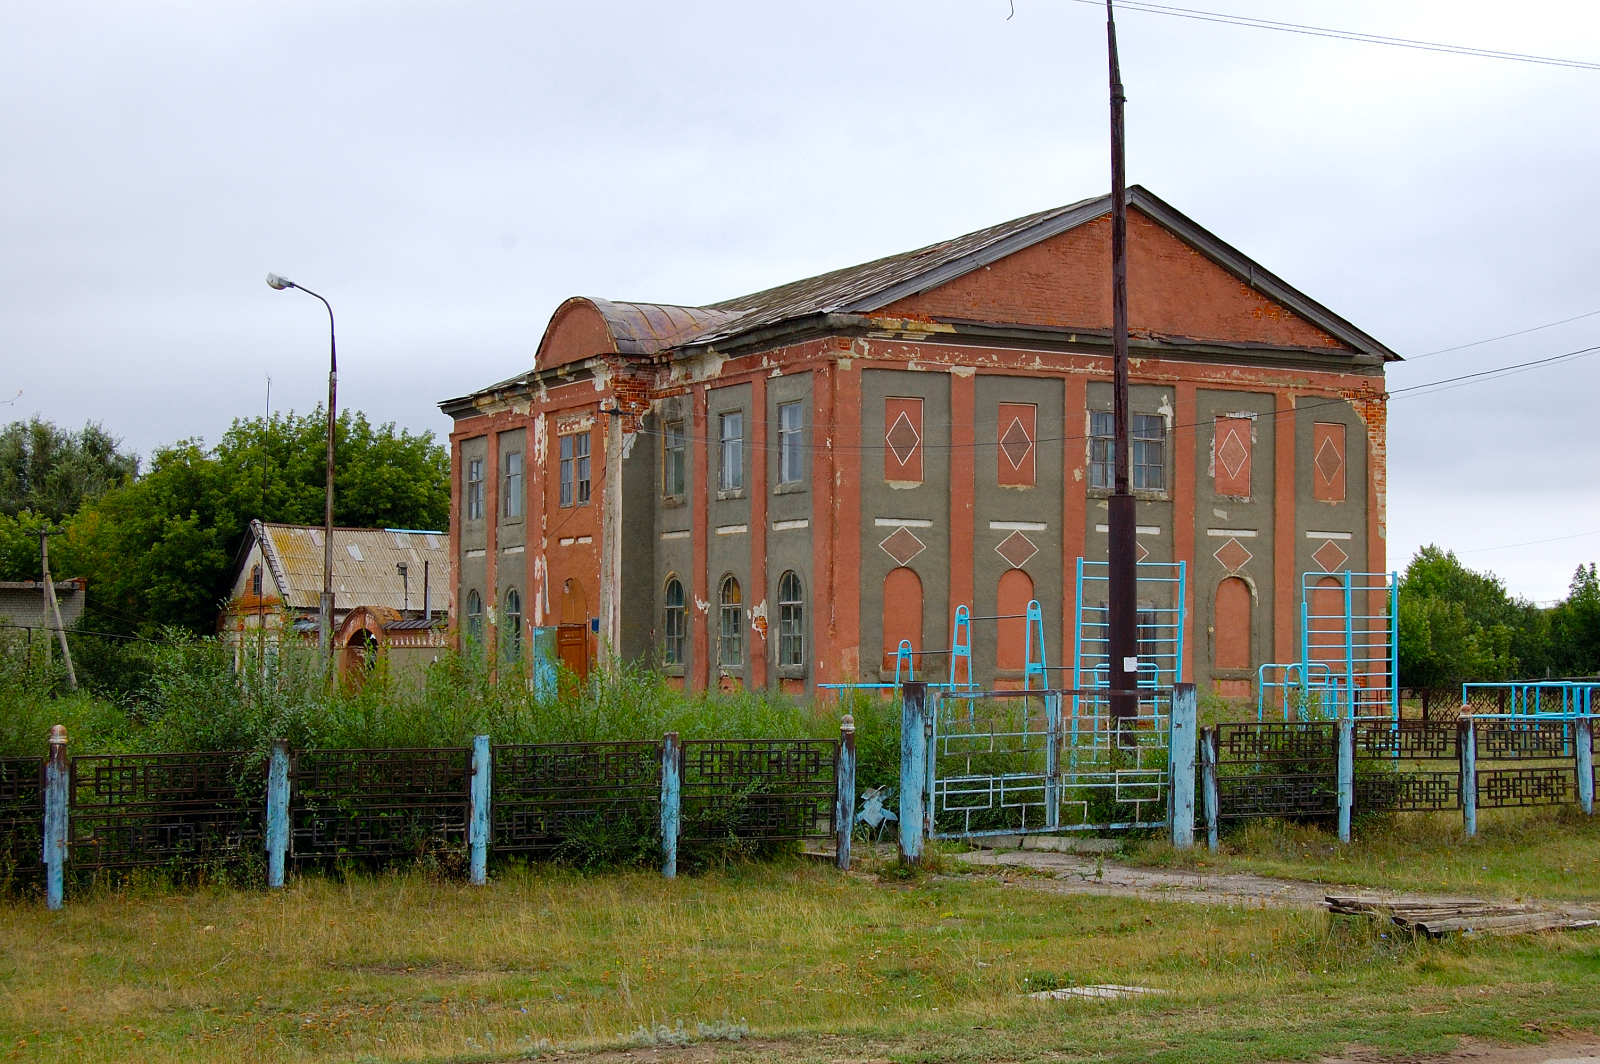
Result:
192,810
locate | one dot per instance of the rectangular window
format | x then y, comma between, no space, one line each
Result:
566,470
1149,441
1102,450
475,489
1015,426
674,463
513,503
581,440
902,441
1230,457
731,465
789,465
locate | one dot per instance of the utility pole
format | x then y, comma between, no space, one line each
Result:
1123,572
52,608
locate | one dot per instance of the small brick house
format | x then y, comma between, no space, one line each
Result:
776,490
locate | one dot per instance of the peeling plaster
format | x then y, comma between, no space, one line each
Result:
702,605
758,618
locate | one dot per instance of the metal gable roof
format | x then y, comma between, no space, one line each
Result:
365,565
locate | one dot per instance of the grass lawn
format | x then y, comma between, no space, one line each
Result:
1549,853
816,964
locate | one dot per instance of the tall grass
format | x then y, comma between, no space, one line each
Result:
193,694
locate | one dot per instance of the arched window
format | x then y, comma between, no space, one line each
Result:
255,580
791,614
475,618
1011,639
511,631
731,644
672,650
902,612
1232,622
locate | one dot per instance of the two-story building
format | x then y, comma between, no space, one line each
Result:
780,488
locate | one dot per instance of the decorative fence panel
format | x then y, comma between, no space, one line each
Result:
1543,752
21,815
551,796
379,803
1407,765
133,810
1267,770
758,790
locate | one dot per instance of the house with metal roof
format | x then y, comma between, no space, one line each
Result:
889,465
390,591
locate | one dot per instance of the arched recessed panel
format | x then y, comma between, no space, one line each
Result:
902,612
1326,623
574,602
1011,646
1232,622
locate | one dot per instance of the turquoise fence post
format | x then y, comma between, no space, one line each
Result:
57,794
1346,731
1584,729
478,828
277,811
1208,759
1180,763
844,793
1469,776
671,797
913,769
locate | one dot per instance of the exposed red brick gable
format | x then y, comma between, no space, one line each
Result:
1173,290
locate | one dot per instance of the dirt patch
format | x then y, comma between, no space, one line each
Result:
1472,1051
1071,873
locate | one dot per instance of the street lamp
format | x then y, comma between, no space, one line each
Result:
325,614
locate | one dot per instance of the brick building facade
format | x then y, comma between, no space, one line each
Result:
777,489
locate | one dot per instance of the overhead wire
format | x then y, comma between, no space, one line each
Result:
1226,19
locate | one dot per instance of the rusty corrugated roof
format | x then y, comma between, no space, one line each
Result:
365,565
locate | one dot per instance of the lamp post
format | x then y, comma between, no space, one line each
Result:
325,614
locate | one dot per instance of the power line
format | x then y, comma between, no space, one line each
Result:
1344,35
1531,542
1503,336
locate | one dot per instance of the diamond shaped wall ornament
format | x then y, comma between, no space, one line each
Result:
902,438
902,545
1015,444
1017,549
1329,461
1330,557
1233,555
1233,454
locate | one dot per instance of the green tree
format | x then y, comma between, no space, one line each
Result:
159,550
1575,627
1455,624
51,472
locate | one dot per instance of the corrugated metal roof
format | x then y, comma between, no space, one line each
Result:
365,565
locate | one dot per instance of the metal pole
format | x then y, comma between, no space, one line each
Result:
1584,740
1180,760
671,797
1208,757
1345,730
57,796
478,833
1122,550
844,793
1469,776
913,769
277,811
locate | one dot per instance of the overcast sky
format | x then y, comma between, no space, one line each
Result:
446,174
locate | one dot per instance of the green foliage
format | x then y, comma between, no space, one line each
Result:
52,472
1457,625
158,551
1574,631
